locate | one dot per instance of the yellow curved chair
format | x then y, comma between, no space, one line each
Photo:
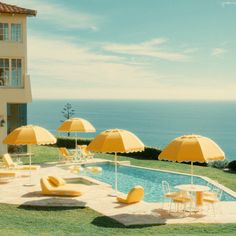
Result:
135,195
12,165
56,186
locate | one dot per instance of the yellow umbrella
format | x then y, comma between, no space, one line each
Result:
116,141
76,125
28,135
193,148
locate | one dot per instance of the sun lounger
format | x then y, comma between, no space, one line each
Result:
135,195
4,173
12,165
64,153
85,153
6,176
56,186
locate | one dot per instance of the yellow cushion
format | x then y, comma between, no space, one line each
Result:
57,181
7,174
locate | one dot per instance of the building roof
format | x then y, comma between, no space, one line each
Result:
12,9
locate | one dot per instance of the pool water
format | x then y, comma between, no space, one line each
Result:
150,180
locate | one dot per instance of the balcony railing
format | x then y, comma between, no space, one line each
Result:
5,83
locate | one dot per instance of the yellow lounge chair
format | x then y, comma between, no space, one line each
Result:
64,153
6,176
12,165
135,195
4,173
56,186
85,153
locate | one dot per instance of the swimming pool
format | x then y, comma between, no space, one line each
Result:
129,176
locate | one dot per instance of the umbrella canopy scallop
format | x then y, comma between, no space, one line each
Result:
193,148
116,140
76,125
30,134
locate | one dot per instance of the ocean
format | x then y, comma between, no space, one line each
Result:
156,123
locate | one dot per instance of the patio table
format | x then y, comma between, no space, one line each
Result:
197,189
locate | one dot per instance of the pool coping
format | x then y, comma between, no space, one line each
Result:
211,181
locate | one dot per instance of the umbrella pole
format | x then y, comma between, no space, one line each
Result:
30,171
116,179
191,172
76,146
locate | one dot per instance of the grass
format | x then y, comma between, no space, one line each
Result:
19,220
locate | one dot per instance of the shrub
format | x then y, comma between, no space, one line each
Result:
70,142
149,153
17,148
218,164
232,165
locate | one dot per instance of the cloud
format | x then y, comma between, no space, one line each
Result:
68,70
61,15
228,3
77,69
218,51
150,48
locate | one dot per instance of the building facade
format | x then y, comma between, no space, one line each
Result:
15,89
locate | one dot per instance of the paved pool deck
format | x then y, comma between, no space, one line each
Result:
99,198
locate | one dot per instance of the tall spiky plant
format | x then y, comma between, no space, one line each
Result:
67,113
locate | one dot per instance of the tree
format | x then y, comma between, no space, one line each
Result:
67,113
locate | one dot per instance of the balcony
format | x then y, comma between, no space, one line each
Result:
13,92
6,83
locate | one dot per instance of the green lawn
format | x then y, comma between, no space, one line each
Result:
83,221
18,220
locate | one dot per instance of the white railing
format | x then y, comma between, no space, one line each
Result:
5,83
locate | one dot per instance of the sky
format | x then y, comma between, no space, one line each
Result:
132,49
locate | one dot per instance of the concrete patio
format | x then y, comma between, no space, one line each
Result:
99,198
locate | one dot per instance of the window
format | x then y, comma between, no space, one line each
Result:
11,72
16,32
16,73
4,32
4,72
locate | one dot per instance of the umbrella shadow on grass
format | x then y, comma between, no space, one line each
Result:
123,221
47,208
55,202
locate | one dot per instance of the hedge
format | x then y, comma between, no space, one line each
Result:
150,153
232,165
69,142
